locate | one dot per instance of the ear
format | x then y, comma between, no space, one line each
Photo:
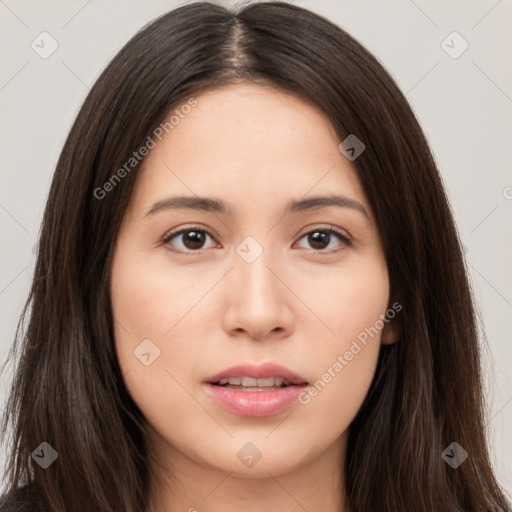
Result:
392,328
390,332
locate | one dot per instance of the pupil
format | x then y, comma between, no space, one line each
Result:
194,239
319,238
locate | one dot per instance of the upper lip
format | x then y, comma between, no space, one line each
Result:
257,372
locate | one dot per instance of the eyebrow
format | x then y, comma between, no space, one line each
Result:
218,206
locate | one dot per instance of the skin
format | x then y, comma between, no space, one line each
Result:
298,304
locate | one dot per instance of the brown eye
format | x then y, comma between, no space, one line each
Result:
192,239
319,239
325,238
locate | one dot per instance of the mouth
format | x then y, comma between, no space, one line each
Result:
245,383
257,391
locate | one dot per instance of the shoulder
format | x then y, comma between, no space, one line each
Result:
23,499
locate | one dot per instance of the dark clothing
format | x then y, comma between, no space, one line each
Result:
24,499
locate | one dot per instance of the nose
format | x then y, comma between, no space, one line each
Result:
257,302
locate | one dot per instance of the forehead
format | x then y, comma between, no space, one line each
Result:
237,119
251,145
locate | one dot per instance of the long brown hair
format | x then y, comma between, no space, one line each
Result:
68,390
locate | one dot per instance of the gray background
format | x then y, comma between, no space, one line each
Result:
464,105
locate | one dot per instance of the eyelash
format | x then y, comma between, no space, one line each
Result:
322,229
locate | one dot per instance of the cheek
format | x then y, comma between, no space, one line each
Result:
349,303
154,334
146,304
140,307
352,306
149,300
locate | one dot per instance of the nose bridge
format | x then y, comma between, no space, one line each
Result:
252,271
256,298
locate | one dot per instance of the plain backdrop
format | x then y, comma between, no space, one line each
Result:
463,102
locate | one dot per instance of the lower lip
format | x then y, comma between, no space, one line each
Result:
255,403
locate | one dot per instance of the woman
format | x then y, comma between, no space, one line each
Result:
250,291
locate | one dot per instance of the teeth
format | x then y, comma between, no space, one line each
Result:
251,382
236,381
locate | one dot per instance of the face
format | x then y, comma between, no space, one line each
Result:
258,276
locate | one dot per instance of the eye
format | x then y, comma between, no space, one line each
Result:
192,239
321,238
